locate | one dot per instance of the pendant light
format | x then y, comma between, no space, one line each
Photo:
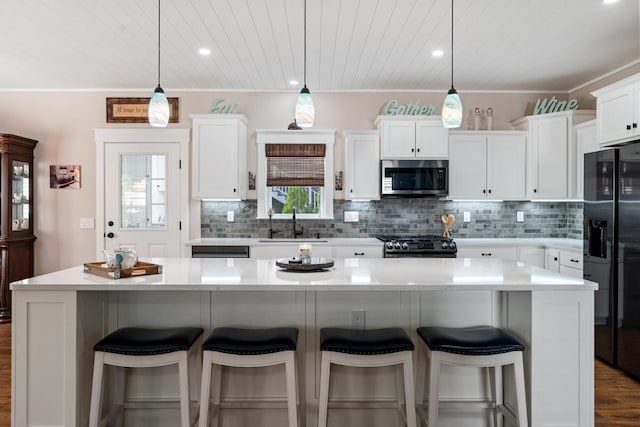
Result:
158,105
452,106
305,111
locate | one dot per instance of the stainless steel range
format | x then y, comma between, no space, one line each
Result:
418,247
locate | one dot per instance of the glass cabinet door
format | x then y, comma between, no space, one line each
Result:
20,183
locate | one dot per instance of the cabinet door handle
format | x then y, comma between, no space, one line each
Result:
412,150
489,191
535,190
628,127
635,125
234,190
487,254
358,253
484,191
351,191
418,150
555,258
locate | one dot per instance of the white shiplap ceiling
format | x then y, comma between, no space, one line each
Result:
529,45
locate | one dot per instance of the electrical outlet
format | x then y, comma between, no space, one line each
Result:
520,216
350,216
229,216
357,319
86,223
467,216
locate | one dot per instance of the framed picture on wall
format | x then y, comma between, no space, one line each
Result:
64,176
135,110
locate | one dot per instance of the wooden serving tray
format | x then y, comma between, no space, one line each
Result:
140,269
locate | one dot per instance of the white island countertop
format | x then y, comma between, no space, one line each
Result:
388,274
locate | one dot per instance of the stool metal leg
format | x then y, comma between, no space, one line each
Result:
323,403
96,389
434,373
518,367
292,388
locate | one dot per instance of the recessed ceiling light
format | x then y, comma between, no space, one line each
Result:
293,82
204,51
437,53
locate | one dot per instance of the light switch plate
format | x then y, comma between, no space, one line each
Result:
351,216
229,216
87,223
467,216
520,216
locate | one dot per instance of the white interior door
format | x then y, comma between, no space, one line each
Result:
142,198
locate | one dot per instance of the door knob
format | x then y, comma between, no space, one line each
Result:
110,235
110,223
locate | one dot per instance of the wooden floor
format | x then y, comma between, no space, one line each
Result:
617,394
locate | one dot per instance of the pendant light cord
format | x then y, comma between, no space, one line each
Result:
451,43
305,43
158,43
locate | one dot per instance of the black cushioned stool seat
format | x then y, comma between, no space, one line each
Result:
476,340
146,341
247,348
251,341
476,346
365,341
368,348
140,348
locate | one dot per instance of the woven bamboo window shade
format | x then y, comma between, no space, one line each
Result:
295,164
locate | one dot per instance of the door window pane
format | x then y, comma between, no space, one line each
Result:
143,191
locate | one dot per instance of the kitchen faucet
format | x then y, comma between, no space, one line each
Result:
271,230
294,230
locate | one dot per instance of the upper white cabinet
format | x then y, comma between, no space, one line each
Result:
219,156
618,111
551,153
409,137
488,164
362,164
586,142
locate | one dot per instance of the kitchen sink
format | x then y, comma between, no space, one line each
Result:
293,241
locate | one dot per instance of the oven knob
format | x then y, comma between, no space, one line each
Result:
421,245
445,245
397,245
452,245
405,246
389,245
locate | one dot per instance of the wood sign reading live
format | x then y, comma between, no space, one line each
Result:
392,108
553,105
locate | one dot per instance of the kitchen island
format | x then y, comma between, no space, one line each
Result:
59,316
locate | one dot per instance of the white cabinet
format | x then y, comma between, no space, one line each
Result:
564,261
487,165
219,156
585,134
409,137
362,165
358,252
506,253
287,251
618,111
551,153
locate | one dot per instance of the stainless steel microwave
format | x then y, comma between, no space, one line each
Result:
415,178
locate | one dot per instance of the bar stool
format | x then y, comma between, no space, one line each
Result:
367,348
244,348
142,348
481,347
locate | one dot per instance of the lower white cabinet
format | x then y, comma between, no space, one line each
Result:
564,261
507,253
358,252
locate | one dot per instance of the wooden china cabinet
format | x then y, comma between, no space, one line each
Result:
16,215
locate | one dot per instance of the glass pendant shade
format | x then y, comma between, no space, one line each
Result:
452,110
159,109
305,111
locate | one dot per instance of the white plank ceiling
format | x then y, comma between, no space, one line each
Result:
356,45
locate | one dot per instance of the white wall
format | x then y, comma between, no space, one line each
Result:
63,123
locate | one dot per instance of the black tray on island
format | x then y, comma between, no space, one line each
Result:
296,264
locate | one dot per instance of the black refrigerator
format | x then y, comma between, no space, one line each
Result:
612,252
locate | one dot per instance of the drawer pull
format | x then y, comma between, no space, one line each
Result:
574,260
358,253
487,254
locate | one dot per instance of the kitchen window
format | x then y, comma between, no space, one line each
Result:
294,171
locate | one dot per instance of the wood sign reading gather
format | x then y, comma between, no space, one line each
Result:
392,108
553,105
